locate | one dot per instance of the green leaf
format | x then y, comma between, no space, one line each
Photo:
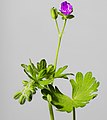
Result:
22,99
46,82
83,89
60,70
42,74
70,16
62,76
35,71
30,69
17,95
58,73
25,67
50,69
38,66
29,95
33,89
43,64
25,82
28,75
58,99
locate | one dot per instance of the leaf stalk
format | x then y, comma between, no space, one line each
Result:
74,116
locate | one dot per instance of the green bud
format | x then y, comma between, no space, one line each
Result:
22,99
17,95
29,95
54,13
25,82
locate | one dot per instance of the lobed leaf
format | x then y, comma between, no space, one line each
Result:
58,99
83,89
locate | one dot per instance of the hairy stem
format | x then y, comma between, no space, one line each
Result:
59,42
51,111
56,59
57,26
74,116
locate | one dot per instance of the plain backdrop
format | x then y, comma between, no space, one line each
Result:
27,31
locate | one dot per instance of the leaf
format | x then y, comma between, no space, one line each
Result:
43,64
25,82
62,76
25,67
30,69
22,99
60,70
33,89
50,69
35,71
17,95
29,95
59,100
70,16
83,89
46,82
42,74
38,66
28,75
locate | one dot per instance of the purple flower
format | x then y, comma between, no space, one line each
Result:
66,8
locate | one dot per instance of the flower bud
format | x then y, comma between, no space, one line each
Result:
54,13
66,8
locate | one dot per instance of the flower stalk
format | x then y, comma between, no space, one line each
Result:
56,60
59,41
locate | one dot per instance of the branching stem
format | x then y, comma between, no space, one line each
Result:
56,59
59,42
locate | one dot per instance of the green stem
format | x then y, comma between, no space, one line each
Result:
57,26
74,116
56,59
51,111
59,42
